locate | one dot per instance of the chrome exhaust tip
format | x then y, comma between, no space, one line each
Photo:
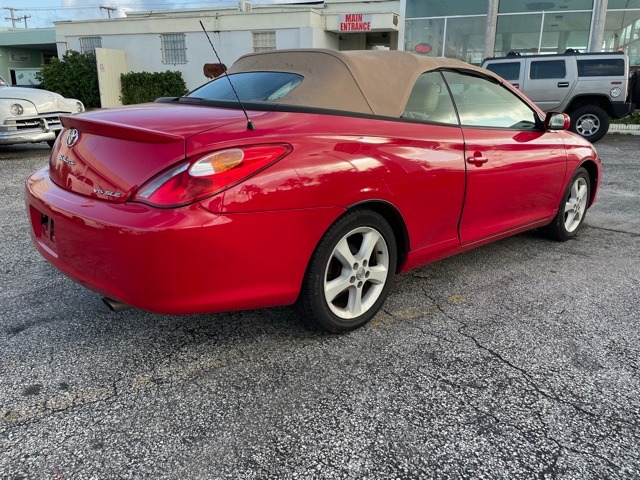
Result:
114,305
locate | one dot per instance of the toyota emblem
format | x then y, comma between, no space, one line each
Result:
72,137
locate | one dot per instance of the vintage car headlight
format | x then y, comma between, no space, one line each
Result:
16,109
79,107
615,92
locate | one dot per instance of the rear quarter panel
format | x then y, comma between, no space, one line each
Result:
344,161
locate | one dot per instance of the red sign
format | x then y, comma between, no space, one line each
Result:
355,22
422,48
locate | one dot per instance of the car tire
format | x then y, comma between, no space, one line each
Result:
590,121
572,209
350,273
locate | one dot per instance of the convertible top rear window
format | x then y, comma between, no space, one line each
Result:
251,86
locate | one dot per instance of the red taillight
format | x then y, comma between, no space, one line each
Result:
208,175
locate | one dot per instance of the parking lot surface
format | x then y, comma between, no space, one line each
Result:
516,360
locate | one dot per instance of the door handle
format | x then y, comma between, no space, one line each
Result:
563,84
477,160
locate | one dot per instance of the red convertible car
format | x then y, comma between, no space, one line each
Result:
305,176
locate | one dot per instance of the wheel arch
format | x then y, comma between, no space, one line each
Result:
392,215
582,100
592,170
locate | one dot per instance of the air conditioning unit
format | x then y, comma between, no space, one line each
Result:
244,6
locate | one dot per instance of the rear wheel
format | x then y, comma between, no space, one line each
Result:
590,121
572,209
350,273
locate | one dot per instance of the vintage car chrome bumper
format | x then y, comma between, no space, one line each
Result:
38,128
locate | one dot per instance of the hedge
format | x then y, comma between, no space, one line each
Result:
75,76
146,87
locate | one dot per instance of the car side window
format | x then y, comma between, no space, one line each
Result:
542,69
484,103
430,101
507,70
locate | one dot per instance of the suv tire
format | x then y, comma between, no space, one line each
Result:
590,121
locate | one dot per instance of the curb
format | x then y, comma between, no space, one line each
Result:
624,129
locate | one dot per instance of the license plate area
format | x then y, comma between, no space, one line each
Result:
44,229
47,228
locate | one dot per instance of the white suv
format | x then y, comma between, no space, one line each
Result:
590,87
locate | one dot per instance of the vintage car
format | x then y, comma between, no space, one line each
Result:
336,171
30,115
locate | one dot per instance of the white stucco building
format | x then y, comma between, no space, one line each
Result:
174,40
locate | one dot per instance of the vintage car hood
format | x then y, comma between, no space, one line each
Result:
43,100
117,150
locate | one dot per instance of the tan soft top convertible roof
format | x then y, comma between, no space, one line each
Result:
374,82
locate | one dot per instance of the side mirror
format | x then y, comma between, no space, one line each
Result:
557,121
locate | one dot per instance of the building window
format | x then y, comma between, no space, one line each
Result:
264,41
445,8
622,29
542,32
89,44
174,49
451,37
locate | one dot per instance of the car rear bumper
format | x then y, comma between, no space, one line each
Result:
183,260
622,109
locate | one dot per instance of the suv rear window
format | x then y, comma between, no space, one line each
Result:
507,70
605,67
548,69
251,86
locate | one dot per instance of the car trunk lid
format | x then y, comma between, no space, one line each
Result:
109,154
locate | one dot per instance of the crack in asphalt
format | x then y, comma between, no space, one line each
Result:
633,234
551,468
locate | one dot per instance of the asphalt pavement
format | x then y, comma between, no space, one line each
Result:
517,360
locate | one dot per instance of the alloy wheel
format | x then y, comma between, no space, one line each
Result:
356,273
576,204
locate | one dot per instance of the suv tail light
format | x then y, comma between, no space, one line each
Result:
209,174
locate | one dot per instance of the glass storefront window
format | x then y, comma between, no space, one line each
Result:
424,36
445,8
464,37
622,4
517,33
520,6
622,32
560,31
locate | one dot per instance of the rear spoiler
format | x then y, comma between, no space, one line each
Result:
117,130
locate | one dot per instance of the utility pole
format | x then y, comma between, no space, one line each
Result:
24,17
108,9
12,18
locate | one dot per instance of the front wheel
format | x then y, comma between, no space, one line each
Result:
572,209
350,273
590,121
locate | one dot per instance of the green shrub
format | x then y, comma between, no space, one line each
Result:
75,76
633,119
146,87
